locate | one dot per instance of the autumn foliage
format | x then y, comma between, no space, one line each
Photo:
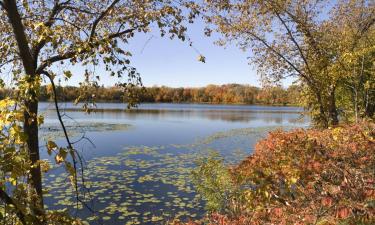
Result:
215,94
306,177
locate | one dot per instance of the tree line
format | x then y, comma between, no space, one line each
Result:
214,94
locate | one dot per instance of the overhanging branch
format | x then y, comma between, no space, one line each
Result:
20,35
290,34
73,53
73,152
57,7
101,16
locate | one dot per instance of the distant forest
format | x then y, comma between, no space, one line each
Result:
215,94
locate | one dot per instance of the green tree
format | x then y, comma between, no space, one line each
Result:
297,38
354,49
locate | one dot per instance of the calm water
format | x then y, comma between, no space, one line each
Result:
137,163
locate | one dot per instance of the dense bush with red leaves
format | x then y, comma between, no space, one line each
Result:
306,177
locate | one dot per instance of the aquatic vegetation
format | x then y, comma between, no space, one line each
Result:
54,131
148,184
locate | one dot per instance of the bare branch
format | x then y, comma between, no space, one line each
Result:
294,42
55,10
20,35
72,8
304,29
101,16
119,34
72,24
281,56
73,152
9,61
70,146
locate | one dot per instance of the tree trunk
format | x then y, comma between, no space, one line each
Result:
31,102
323,121
31,130
332,109
355,99
369,103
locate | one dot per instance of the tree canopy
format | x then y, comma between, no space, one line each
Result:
41,39
328,46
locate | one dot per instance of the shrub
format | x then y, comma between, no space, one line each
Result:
306,177
212,180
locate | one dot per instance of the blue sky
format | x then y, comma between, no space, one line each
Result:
162,61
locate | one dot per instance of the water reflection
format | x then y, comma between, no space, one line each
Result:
265,114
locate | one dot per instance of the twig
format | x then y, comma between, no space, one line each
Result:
70,146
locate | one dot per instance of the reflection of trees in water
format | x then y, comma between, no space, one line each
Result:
273,116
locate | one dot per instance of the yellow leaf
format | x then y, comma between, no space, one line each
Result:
50,147
202,59
59,159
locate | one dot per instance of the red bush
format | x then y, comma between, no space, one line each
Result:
308,177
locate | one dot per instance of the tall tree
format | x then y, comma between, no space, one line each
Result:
295,38
353,40
36,37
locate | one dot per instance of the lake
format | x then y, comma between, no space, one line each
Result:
137,162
